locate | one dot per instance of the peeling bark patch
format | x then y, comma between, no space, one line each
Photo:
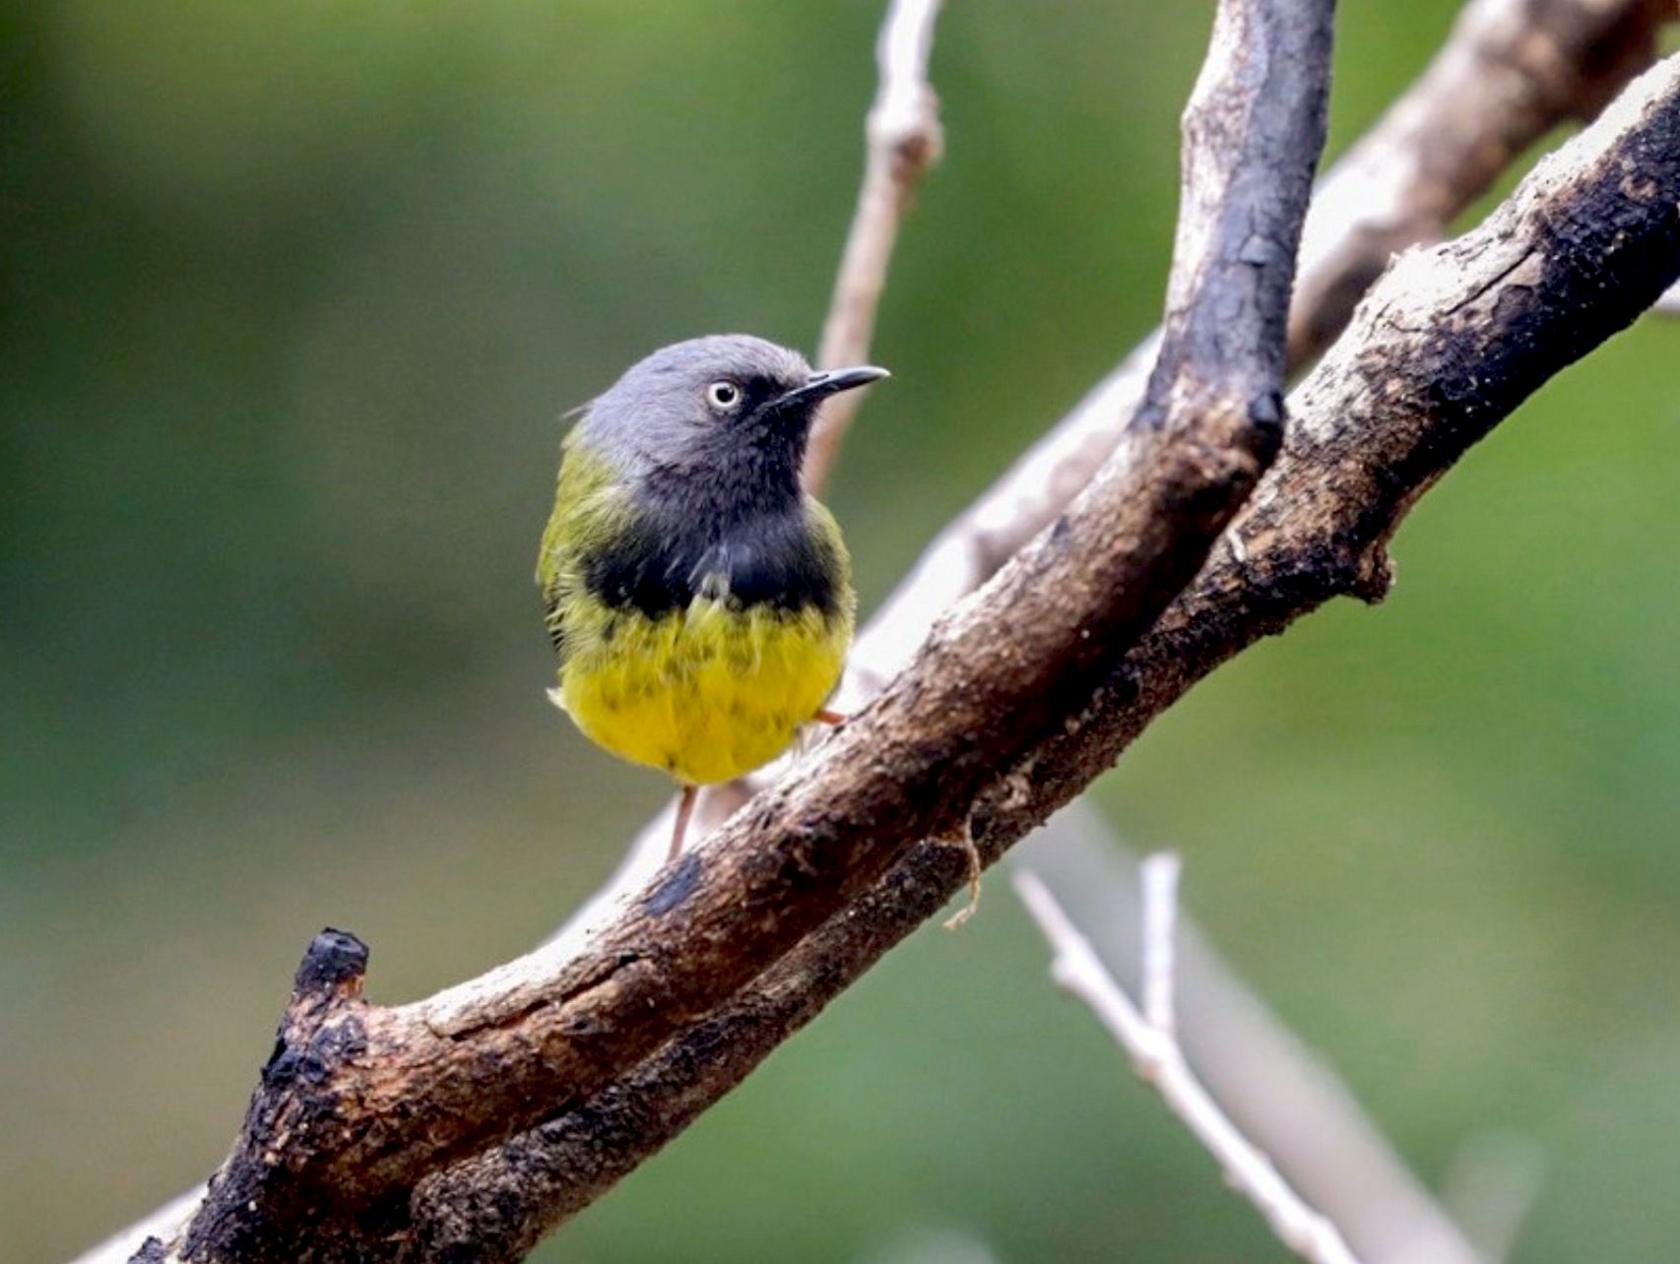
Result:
315,1061
676,887
334,1045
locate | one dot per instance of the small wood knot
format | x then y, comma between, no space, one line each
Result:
335,959
1258,251
1373,576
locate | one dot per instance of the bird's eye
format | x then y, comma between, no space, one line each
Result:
723,395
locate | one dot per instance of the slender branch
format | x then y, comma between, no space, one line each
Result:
382,1096
1277,1091
1160,1063
903,138
1160,926
161,1225
1573,256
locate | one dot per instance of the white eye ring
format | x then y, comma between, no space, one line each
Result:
723,395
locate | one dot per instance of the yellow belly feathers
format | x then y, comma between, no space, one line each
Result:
706,693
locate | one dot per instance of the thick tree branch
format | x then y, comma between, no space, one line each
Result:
1575,255
1510,72
1447,344
903,138
494,1207
388,1095
1499,83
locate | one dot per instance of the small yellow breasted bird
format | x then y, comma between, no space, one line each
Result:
699,601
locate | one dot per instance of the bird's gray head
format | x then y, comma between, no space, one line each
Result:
730,413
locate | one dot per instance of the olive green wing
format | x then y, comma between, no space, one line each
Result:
554,618
552,569
587,504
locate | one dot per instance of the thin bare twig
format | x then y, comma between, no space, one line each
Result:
1276,1090
1160,1063
1160,928
161,1225
904,139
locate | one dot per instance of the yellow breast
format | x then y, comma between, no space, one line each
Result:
706,693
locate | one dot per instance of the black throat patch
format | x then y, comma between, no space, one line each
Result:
661,562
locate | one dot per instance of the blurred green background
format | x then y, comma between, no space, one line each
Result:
293,297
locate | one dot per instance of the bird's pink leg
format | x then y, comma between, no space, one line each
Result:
685,809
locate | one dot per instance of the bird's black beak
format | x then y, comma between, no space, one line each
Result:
821,385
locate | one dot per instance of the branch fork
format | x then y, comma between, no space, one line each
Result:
1147,1036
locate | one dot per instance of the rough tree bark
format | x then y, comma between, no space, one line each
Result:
1510,72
